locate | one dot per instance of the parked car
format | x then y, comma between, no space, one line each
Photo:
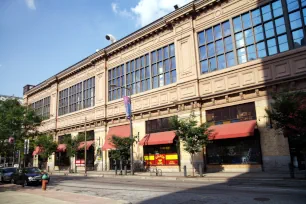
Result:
27,176
6,174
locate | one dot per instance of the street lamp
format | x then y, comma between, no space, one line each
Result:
129,89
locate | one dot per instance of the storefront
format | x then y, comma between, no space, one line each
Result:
160,145
235,138
62,160
90,152
119,131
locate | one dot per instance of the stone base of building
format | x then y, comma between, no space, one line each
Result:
234,168
276,163
166,169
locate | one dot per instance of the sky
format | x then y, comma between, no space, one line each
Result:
39,38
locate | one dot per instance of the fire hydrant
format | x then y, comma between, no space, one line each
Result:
44,182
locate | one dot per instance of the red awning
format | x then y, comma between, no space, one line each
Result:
158,138
61,148
88,144
120,131
37,150
233,130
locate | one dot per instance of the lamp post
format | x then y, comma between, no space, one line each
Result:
85,148
131,124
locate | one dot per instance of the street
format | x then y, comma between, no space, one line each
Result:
167,191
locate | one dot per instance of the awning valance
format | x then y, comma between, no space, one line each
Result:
88,144
158,138
61,148
120,131
37,150
233,130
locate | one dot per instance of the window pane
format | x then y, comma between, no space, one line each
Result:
230,60
246,20
298,38
161,80
283,43
239,40
258,31
212,64
155,82
256,18
303,2
251,52
237,24
269,29
173,76
219,47
142,61
292,5
221,62
295,20
228,44
166,65
142,74
241,56
304,13
153,57
261,49
137,75
204,66
167,78
226,28
249,39
272,49
280,25
173,63
266,13
217,32
172,51
211,49
277,8
148,72
201,38
148,84
203,52
166,52
159,54
160,68
147,60
209,35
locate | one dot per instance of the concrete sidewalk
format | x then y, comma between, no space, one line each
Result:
218,176
18,195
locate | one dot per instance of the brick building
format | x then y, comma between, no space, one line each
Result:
221,59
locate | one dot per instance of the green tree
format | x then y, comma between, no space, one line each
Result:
17,121
46,143
193,136
122,151
72,144
288,112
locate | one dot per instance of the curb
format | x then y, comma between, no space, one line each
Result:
196,179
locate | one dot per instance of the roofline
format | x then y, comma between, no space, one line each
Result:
88,61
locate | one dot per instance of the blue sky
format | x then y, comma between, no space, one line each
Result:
39,38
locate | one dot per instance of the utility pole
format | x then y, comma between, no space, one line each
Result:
85,149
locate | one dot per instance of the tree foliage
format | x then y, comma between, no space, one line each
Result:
46,143
194,136
72,143
122,145
16,121
288,112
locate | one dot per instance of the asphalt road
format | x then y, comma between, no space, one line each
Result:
167,191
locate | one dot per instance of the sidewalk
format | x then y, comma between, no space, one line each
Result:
213,177
19,195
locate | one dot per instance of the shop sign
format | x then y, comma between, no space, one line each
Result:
80,162
160,159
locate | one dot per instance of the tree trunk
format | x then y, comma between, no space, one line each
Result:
120,166
193,169
305,164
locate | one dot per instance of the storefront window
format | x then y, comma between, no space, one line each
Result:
242,112
161,155
234,151
158,125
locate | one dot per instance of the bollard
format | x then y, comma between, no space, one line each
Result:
291,170
125,170
48,168
200,170
185,171
116,170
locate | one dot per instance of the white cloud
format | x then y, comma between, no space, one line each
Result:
123,13
146,11
31,4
